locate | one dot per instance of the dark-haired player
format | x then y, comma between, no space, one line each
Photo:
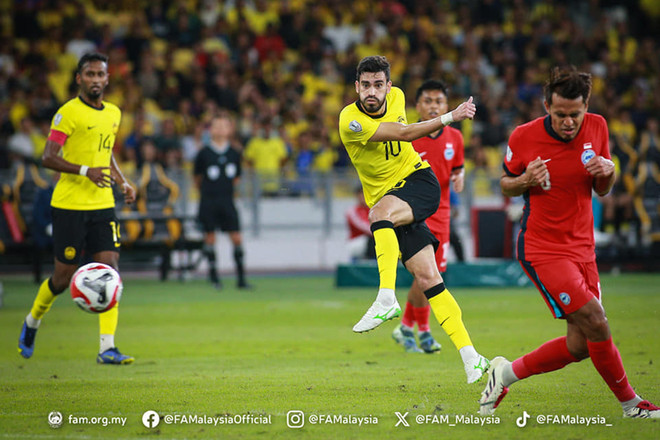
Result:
443,150
217,170
399,187
555,162
84,130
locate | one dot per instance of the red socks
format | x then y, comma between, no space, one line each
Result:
416,314
422,317
408,316
607,360
550,356
554,355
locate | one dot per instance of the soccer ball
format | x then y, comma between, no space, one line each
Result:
96,287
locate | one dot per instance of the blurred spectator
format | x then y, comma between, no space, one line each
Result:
266,154
21,143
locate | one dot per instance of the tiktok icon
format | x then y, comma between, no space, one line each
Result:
522,420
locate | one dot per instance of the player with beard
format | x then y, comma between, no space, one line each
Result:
84,219
400,189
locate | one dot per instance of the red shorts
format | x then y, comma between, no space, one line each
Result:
441,252
565,285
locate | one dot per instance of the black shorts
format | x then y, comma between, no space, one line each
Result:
421,191
94,231
218,214
413,238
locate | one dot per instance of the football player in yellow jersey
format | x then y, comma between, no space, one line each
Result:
401,191
84,130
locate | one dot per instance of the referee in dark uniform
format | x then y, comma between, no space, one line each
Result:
217,170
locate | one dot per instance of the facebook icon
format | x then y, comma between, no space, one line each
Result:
150,419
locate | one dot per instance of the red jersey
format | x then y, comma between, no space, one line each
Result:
558,221
444,153
358,221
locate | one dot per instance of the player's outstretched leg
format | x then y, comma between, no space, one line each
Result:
405,337
495,389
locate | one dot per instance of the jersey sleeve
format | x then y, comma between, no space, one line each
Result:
514,164
459,157
64,121
605,144
355,127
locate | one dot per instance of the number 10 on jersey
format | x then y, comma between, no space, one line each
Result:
390,150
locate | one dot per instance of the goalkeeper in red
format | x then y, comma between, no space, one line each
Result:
79,146
555,162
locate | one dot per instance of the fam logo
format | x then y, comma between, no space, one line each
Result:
565,298
449,151
509,154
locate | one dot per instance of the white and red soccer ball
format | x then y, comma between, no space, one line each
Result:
96,287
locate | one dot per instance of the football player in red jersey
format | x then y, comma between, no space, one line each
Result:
443,150
555,162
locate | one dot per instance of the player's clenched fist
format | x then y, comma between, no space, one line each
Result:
464,111
600,167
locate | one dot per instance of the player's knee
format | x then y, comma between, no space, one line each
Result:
379,213
594,325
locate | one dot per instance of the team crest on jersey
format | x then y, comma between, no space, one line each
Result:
355,126
449,151
69,252
57,119
509,154
565,298
587,155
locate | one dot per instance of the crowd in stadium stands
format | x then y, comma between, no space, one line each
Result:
285,69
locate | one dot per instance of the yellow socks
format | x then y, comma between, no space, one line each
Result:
108,327
387,252
449,315
108,321
45,298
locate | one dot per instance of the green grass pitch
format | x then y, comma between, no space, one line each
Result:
288,345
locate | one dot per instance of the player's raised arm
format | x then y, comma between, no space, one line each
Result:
394,131
51,159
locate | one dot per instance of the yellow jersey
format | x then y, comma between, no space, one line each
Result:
380,165
90,137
